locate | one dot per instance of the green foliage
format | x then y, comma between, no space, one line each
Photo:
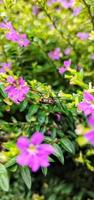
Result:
25,172
4,180
51,104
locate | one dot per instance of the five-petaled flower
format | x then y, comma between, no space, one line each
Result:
87,105
83,35
55,54
65,67
13,35
5,67
67,3
33,153
16,89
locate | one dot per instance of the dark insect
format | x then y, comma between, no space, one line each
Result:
47,101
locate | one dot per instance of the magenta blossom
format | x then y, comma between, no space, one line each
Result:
23,41
35,10
76,11
33,153
16,89
91,120
13,35
87,105
7,25
83,35
50,2
5,67
67,51
65,67
67,3
55,54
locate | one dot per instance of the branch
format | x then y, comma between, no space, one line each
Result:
89,12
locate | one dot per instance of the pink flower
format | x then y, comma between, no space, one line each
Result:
76,11
91,120
23,41
55,54
50,2
35,10
67,51
7,25
33,153
90,135
13,35
65,67
83,35
67,3
87,105
5,67
16,89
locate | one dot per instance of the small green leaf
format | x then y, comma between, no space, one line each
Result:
41,117
68,145
44,171
11,162
59,153
23,105
32,110
25,172
2,90
4,180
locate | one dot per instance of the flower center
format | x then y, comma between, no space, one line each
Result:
32,148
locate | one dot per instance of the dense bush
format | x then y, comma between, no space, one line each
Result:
46,95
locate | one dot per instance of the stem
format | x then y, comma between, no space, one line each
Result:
67,40
89,12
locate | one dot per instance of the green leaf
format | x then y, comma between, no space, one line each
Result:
4,180
41,117
25,172
2,90
59,153
44,171
23,105
32,110
68,145
11,162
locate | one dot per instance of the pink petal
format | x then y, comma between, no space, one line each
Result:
10,79
88,96
46,149
23,159
62,70
91,120
67,63
85,107
34,163
23,143
44,161
37,138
